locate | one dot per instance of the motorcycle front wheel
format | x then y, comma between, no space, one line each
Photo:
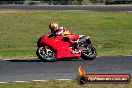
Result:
46,53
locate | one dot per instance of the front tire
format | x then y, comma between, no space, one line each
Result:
46,53
89,53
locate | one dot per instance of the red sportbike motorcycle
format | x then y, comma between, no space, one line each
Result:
56,48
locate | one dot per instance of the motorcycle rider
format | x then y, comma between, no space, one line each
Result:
56,30
61,31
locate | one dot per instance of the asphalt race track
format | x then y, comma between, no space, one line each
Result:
70,7
28,70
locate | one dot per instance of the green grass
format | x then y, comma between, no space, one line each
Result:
62,84
110,32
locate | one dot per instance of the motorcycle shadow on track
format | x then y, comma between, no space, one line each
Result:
37,60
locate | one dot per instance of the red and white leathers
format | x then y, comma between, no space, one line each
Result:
72,39
64,33
60,31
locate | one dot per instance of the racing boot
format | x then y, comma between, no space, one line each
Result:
75,51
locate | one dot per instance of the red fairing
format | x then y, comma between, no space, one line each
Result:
62,48
72,37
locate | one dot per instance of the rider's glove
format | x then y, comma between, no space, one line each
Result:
51,35
55,34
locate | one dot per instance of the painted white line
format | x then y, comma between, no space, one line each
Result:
39,80
20,81
3,82
63,79
35,81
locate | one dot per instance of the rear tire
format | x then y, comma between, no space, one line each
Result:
89,53
46,53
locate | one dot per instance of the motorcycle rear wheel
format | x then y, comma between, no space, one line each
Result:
89,53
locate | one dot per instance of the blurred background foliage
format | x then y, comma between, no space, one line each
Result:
52,2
